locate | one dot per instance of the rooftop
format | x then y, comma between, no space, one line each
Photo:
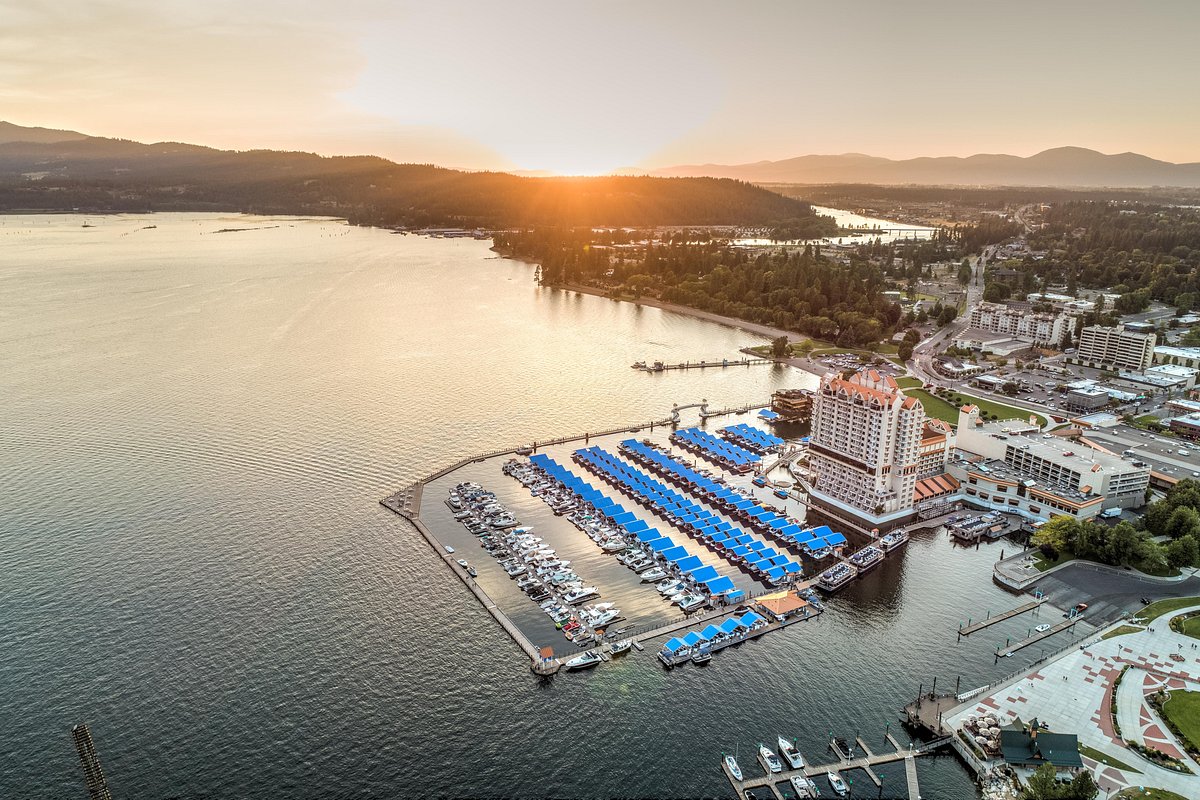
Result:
1001,470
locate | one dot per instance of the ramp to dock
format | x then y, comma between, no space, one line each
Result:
1008,650
910,771
967,630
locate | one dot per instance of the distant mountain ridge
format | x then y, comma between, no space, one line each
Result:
1061,166
63,171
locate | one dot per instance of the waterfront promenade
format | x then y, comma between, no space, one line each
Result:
1077,691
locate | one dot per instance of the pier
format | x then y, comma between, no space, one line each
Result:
658,366
844,764
1008,650
969,628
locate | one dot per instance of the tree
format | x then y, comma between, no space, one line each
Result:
780,347
964,272
1010,388
1043,785
1082,787
904,350
947,315
1183,552
912,336
1057,535
1184,521
995,292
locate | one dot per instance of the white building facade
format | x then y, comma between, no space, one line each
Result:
1100,346
865,447
1039,328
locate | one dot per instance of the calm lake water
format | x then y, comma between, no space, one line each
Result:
197,427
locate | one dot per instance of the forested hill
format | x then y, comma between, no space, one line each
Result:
97,174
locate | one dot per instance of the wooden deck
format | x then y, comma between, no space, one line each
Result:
967,630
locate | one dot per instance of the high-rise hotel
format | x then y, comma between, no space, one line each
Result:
865,447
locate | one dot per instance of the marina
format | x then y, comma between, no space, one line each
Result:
658,366
1044,632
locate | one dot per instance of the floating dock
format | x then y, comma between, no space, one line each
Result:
968,629
1008,650
658,366
843,764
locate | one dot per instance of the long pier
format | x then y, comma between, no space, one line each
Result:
843,764
967,630
658,366
1008,650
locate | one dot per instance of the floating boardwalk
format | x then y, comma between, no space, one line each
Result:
658,366
967,630
844,764
1008,650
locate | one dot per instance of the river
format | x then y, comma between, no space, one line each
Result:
197,427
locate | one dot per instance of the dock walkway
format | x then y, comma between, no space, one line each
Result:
658,366
842,765
1008,650
967,630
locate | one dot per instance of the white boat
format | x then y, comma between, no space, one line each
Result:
585,661
790,753
577,596
449,549
805,787
672,588
649,576
836,783
769,760
462,562
691,601
617,648
614,546
733,768
605,617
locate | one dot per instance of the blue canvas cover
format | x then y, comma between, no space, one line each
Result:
673,645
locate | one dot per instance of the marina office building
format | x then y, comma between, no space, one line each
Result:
1011,466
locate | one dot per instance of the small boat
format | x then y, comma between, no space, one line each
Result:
471,571
781,494
449,549
649,576
585,661
691,601
577,596
805,787
617,648
770,761
702,656
836,783
790,753
760,481
462,562
733,768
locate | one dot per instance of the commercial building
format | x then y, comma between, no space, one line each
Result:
1183,356
1183,377
865,447
1012,466
937,440
1187,425
1084,400
792,405
1039,328
997,344
1100,346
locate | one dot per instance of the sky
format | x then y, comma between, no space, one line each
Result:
587,87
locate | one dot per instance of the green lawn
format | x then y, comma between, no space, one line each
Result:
1138,793
1104,758
1183,709
909,382
935,406
1191,627
1156,610
1121,631
1041,563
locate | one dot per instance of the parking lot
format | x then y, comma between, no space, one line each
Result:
1108,592
1177,458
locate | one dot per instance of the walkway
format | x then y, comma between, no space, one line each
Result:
967,630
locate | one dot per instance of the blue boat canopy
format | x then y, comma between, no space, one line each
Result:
635,526
704,573
750,618
673,645
661,544
720,584
735,596
674,553
691,638
730,625
689,563
711,631
768,414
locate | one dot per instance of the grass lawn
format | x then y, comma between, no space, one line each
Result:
1183,709
1041,563
1156,610
1138,793
1121,631
998,410
935,406
909,382
1104,758
1191,627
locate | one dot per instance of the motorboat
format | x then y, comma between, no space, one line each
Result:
805,787
790,754
614,546
462,562
769,760
585,661
702,656
674,587
617,648
836,783
664,584
449,549
691,601
577,596
734,770
472,571
651,575
605,617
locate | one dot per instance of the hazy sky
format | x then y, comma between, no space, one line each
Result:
588,86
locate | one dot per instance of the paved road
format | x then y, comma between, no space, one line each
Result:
1108,594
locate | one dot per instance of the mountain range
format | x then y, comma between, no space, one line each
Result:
1061,166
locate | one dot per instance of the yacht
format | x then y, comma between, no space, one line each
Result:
836,783
805,787
577,596
769,760
790,753
614,546
734,769
585,661
605,617
652,575
691,601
